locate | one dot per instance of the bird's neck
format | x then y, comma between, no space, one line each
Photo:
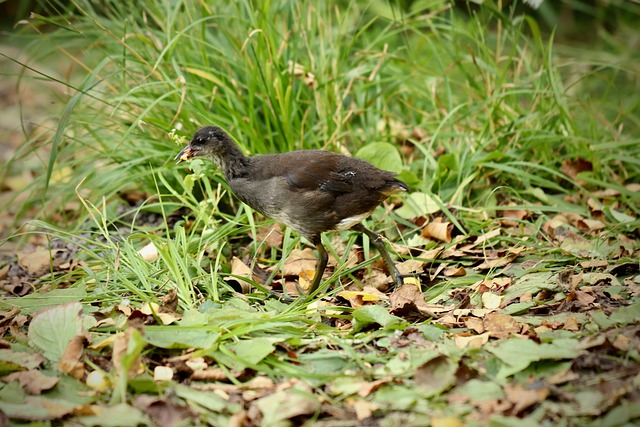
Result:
233,162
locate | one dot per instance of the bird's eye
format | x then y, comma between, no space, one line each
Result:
199,141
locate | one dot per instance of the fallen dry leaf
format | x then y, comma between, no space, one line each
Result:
571,324
495,260
590,225
271,236
438,230
305,279
359,298
408,302
153,309
33,381
299,261
512,218
410,266
369,387
120,350
572,167
455,272
164,413
500,325
622,343
471,341
70,362
364,409
584,297
474,324
594,263
522,398
240,271
36,263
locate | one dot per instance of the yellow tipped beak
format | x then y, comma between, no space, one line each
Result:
184,155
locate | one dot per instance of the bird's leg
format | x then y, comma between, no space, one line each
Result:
323,259
377,241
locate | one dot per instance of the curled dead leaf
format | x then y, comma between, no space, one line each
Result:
572,167
571,324
364,409
369,387
70,362
455,272
512,217
32,381
359,298
239,272
500,325
299,261
271,236
410,266
590,225
438,230
471,341
408,302
523,397
37,262
474,324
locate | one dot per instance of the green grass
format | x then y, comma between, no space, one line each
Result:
477,107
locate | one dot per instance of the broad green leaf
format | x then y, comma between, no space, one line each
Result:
52,329
517,354
626,315
177,337
284,405
382,155
436,376
397,397
481,391
252,351
120,415
207,400
502,421
533,283
38,408
31,303
406,362
623,414
371,314
325,362
417,204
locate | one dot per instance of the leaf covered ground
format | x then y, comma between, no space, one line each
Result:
133,290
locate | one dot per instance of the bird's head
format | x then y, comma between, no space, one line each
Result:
209,142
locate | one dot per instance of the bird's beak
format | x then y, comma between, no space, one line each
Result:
184,155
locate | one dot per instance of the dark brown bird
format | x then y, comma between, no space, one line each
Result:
311,191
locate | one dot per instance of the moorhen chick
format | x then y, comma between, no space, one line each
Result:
311,191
